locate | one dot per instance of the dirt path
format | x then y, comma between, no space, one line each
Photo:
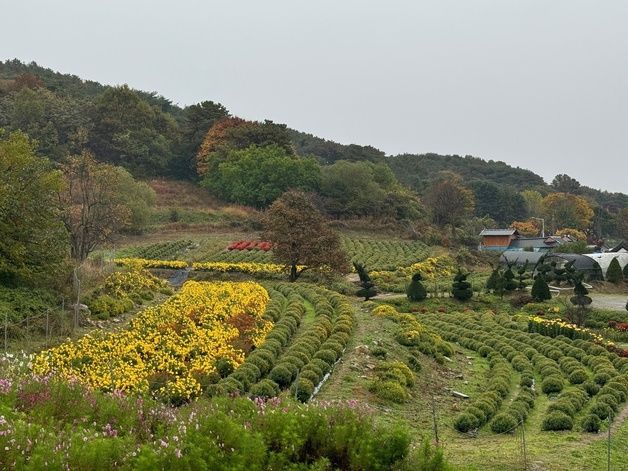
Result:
615,302
617,422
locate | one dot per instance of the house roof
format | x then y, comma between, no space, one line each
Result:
533,242
499,232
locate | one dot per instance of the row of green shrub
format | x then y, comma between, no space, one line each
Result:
486,404
313,373
392,380
516,413
608,401
286,309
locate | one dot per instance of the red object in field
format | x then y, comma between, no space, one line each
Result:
623,326
250,245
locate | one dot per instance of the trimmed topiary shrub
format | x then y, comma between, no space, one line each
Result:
303,389
466,422
416,291
614,272
590,388
461,288
578,376
591,423
265,388
557,421
503,423
552,384
540,289
389,390
281,375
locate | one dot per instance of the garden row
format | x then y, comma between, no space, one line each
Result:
553,359
170,350
385,255
160,251
296,354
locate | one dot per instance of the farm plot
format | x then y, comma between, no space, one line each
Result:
588,382
170,350
385,255
311,330
171,250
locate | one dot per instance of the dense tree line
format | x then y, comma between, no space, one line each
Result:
254,162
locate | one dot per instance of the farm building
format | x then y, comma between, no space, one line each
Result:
605,259
622,247
497,239
510,239
582,263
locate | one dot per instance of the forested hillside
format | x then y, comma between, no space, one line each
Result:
252,163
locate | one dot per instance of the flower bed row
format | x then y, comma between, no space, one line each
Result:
149,263
170,349
243,267
250,245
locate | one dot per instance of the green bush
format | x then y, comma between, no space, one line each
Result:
416,291
389,390
552,384
601,409
614,272
591,423
281,375
503,423
328,356
265,388
590,388
578,376
557,421
466,422
303,389
601,378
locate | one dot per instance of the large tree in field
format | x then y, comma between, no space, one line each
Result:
448,200
621,221
567,210
99,201
301,237
33,242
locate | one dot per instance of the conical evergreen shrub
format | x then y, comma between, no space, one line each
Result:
367,290
540,289
614,273
491,283
416,291
509,279
461,288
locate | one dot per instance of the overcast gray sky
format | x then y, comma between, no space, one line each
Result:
542,84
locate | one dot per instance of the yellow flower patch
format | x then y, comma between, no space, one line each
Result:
167,349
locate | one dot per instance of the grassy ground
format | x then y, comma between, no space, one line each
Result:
431,397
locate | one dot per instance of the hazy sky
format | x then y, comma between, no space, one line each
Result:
542,84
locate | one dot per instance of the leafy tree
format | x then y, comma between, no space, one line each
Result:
614,272
416,291
131,132
365,189
565,184
571,232
327,152
540,289
461,288
534,202
449,201
626,272
367,290
55,122
621,221
234,133
499,202
529,228
33,242
257,176
195,123
301,236
99,201
567,210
